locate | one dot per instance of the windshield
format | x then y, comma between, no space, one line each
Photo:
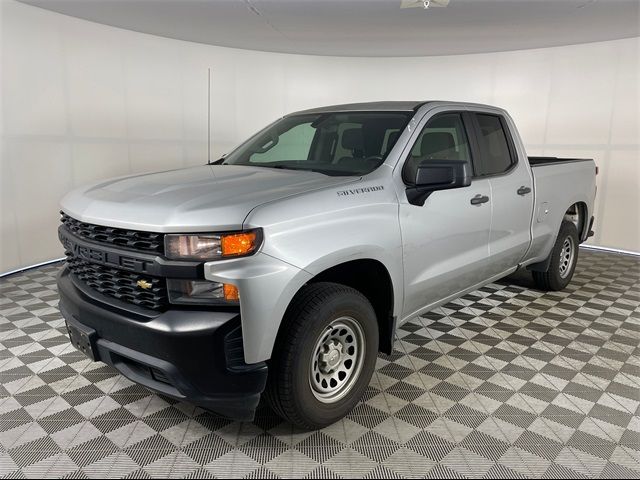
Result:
344,143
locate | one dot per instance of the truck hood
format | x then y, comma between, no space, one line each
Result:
190,199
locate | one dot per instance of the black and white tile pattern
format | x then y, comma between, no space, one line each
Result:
505,382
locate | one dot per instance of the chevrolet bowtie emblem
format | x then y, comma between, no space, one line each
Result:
144,284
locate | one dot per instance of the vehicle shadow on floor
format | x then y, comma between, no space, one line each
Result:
521,278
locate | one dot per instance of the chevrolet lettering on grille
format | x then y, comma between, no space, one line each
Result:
103,257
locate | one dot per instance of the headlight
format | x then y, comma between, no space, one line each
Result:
202,292
212,246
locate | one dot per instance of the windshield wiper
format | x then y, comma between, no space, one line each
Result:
280,167
327,172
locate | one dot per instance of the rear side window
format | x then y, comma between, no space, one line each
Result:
494,147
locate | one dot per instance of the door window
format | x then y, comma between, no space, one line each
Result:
443,138
494,147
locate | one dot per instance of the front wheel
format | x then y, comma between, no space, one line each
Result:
564,257
324,357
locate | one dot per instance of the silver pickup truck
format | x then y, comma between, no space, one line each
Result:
285,267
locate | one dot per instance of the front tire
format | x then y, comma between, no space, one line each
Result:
562,264
324,356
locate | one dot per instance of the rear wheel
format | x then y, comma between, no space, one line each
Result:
564,257
324,357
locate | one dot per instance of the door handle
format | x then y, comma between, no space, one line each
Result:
478,199
524,190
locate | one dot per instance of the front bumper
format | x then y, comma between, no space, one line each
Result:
192,355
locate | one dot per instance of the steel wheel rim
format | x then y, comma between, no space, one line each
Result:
337,360
566,257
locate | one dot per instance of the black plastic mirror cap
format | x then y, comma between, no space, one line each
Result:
434,175
437,173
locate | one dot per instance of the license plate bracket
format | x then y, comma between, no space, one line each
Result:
83,338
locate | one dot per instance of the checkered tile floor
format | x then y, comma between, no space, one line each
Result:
505,382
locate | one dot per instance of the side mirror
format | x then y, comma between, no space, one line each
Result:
433,175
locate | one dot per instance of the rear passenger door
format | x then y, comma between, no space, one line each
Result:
511,191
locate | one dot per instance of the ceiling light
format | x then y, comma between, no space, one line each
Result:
423,3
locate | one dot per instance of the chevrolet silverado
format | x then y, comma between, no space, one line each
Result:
284,268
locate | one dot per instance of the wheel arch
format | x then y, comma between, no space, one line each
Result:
372,278
578,214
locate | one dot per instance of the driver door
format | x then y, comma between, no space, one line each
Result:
446,240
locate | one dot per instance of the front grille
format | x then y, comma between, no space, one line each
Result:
120,284
132,239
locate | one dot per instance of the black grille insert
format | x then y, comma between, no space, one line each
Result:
234,349
131,239
120,284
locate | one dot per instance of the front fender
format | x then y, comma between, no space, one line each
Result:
266,287
306,235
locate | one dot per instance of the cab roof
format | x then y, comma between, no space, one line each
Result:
392,106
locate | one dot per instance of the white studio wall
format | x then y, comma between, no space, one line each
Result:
83,101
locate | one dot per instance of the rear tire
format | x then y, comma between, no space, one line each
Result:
564,257
324,356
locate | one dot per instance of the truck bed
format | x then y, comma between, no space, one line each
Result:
559,184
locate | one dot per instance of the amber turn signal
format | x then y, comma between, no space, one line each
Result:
231,292
238,243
